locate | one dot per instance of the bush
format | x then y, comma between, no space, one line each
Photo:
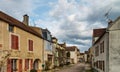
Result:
33,70
47,65
67,63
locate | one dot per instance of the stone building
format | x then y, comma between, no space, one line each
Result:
48,53
20,45
106,47
90,55
59,53
74,54
82,57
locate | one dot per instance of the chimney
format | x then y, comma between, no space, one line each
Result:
26,19
110,22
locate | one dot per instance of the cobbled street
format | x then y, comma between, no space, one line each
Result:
75,68
80,67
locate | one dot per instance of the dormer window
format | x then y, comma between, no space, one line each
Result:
11,28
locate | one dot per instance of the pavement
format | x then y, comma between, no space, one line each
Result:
79,67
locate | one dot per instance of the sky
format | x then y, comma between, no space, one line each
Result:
70,21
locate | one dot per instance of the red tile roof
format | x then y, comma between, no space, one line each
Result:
15,22
98,32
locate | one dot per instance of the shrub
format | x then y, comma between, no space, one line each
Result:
33,70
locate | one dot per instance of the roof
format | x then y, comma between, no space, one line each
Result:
98,32
63,45
15,22
71,48
100,36
113,22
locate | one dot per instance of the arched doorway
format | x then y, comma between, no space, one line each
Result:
36,64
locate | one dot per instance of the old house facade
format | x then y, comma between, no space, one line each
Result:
48,53
74,54
58,52
106,47
24,44
100,49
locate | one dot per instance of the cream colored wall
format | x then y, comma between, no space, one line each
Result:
73,55
23,52
102,56
1,35
114,47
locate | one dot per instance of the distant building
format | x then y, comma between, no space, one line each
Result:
59,53
106,47
90,55
74,54
48,54
82,57
86,56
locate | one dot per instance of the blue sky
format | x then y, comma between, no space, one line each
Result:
71,21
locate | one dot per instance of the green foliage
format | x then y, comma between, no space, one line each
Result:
47,65
68,54
33,70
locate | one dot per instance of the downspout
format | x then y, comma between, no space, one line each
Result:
43,63
107,52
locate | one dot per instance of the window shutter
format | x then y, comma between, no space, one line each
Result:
30,45
9,65
103,66
14,42
103,46
31,64
20,65
25,64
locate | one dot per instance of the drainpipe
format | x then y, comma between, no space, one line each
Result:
107,52
43,62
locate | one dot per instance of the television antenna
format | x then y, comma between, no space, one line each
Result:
107,15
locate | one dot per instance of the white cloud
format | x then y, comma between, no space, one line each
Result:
78,19
68,20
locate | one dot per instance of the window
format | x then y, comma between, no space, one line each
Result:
11,28
14,64
30,43
102,47
14,42
103,65
26,64
97,51
31,63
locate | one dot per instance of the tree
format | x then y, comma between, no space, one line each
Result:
68,54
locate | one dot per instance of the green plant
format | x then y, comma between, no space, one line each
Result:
33,70
47,65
